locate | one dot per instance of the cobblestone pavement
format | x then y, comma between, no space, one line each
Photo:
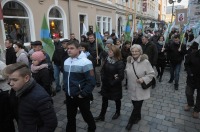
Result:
163,112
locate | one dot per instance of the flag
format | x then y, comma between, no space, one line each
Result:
140,26
1,12
84,29
166,33
99,37
155,27
186,26
48,45
132,31
172,26
127,31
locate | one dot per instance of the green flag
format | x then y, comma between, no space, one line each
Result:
48,45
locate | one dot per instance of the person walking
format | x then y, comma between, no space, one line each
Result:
161,62
21,54
176,53
35,108
57,62
112,74
10,52
79,80
192,64
40,72
145,72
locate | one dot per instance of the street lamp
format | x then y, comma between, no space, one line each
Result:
172,2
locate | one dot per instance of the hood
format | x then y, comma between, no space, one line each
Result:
21,51
141,58
82,55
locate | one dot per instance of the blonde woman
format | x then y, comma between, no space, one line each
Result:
145,72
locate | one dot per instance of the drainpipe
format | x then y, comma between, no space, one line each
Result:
70,20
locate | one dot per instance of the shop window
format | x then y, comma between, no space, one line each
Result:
16,22
56,23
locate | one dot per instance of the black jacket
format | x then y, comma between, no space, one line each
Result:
10,56
43,78
57,55
64,57
161,55
192,65
92,50
6,118
111,87
125,53
137,41
174,55
35,110
151,51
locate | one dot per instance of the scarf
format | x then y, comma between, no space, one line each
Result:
35,69
27,85
111,60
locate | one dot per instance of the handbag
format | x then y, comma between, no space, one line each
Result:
144,85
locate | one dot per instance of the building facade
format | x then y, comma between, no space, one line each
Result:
23,18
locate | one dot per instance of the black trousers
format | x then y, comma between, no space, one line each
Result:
160,70
190,97
136,113
84,106
105,106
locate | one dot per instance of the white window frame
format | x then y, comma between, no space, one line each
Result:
85,21
29,17
63,18
101,23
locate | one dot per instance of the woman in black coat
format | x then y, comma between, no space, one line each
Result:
40,71
161,62
112,76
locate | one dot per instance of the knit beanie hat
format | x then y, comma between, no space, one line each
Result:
38,56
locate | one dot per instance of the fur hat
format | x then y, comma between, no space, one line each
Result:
38,56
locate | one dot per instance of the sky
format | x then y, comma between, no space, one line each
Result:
183,2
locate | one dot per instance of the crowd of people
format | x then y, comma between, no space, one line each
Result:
78,67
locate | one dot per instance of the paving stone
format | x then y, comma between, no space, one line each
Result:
162,128
163,112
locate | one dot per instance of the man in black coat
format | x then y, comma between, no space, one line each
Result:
192,64
35,108
176,53
93,51
10,52
136,39
57,62
150,50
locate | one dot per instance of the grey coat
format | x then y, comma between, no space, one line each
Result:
22,56
143,70
3,82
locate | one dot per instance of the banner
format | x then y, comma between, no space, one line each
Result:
181,16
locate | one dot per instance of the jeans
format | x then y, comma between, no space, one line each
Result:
189,91
57,71
174,72
84,106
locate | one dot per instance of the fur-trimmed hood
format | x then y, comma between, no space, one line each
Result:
141,58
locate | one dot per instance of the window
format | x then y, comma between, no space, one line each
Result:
133,5
104,24
56,23
16,22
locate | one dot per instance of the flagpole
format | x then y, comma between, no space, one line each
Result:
97,49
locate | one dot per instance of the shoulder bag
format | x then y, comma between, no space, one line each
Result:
144,85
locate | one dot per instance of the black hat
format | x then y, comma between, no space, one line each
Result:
65,40
36,43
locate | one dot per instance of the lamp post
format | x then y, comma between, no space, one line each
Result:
172,2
